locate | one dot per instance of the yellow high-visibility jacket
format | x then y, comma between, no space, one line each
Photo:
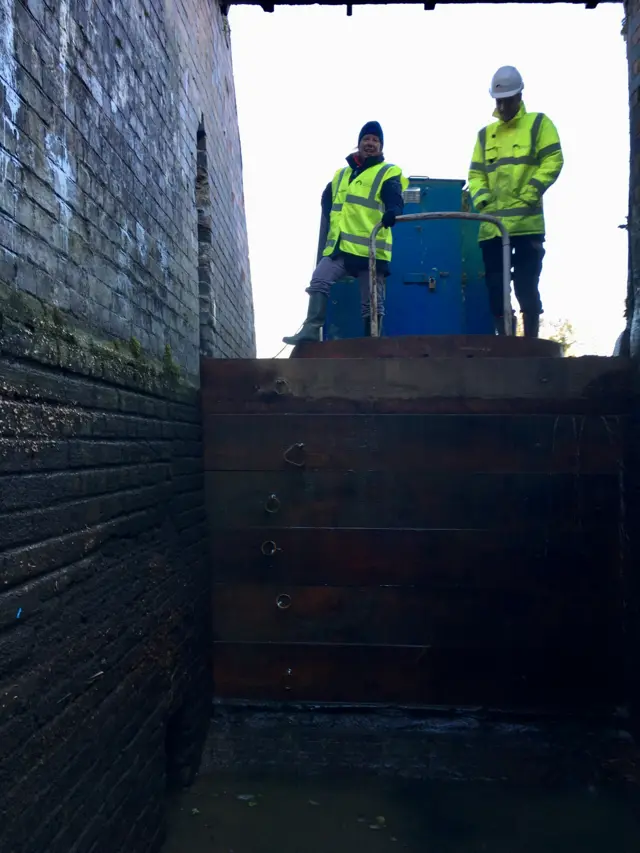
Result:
514,163
357,208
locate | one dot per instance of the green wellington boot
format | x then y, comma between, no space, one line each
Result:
316,315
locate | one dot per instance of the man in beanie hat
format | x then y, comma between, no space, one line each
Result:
363,193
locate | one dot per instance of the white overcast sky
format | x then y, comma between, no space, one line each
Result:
307,78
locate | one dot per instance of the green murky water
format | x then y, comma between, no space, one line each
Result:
240,813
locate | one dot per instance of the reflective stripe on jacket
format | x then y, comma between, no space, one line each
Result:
357,208
514,164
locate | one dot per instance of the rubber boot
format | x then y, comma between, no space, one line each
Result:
316,315
531,325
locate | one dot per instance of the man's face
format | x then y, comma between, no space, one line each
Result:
508,107
369,146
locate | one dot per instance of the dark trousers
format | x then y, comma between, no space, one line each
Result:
527,252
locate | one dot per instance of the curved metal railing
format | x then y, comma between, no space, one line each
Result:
414,217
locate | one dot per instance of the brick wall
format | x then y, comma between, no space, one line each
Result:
109,111
104,597
101,102
631,539
632,29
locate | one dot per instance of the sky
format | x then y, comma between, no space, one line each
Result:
307,79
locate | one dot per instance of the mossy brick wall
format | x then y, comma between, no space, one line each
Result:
110,111
100,106
104,593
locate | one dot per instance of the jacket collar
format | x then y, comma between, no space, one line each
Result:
521,112
370,161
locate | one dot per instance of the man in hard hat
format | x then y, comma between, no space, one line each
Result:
362,194
515,161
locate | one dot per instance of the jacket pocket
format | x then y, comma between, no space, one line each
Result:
491,154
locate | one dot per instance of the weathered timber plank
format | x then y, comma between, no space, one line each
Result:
438,618
431,346
486,559
426,501
565,679
487,443
510,385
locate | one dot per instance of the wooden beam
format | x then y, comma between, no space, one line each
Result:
439,618
567,679
415,443
431,385
562,562
529,503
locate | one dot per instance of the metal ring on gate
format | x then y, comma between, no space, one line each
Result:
299,445
272,504
283,601
269,548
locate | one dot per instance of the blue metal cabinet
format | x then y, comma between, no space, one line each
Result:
436,286
477,316
424,295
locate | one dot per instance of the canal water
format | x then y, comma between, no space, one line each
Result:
240,813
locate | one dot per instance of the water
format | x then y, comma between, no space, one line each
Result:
242,813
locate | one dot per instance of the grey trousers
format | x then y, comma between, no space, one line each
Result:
330,270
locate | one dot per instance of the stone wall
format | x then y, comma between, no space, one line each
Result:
101,104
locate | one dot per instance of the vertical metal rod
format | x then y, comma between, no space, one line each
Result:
506,283
322,237
450,214
373,285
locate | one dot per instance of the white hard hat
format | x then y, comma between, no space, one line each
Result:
506,82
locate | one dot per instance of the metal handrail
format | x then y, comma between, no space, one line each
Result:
414,217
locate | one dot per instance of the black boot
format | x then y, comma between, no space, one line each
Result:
316,315
531,325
